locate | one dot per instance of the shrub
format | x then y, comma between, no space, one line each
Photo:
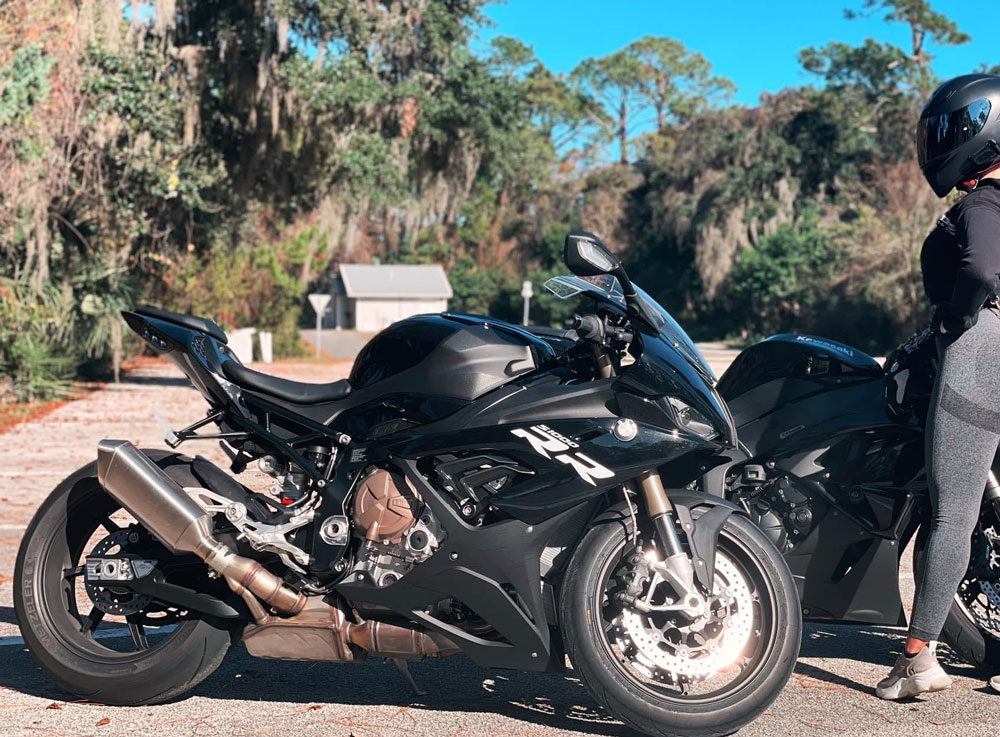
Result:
784,283
33,336
247,286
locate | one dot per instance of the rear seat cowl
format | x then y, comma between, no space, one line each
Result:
201,324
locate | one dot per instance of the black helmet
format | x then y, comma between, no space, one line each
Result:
958,136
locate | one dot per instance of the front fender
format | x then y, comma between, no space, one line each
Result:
702,530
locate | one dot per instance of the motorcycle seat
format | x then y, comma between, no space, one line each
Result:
298,392
201,324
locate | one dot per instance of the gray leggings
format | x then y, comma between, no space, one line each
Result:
963,431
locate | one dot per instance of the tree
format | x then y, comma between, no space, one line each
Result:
780,284
561,111
676,82
616,81
923,21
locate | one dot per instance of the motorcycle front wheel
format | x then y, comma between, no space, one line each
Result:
663,673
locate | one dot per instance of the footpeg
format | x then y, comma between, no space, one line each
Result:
169,436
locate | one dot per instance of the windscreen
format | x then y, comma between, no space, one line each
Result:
608,288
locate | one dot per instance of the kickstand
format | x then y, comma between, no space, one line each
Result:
404,671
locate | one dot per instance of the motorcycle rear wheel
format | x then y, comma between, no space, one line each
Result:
157,654
972,629
655,705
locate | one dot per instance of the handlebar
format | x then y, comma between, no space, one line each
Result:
596,329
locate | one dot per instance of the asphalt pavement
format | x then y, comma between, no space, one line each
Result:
829,694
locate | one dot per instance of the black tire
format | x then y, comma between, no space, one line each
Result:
973,644
183,659
641,708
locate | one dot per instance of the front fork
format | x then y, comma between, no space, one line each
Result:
677,567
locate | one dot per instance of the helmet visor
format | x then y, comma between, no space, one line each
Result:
941,134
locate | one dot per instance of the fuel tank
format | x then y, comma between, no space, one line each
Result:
448,355
786,368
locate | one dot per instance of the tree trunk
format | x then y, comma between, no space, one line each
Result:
623,130
496,226
116,348
918,46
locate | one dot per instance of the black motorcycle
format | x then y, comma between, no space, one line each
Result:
472,487
832,469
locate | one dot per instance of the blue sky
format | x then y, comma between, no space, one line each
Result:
754,43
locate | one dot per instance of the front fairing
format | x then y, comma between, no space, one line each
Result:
661,371
667,362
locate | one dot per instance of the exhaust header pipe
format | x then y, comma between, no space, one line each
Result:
165,509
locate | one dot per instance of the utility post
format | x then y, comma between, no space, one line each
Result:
527,293
319,303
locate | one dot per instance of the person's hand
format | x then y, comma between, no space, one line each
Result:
944,323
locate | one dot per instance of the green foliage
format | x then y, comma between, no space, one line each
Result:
676,82
33,336
784,283
224,158
24,82
246,287
919,15
158,181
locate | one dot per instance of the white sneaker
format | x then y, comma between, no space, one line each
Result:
995,683
910,677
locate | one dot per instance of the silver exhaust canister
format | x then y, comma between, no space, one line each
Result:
166,510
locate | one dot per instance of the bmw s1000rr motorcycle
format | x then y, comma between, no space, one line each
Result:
831,467
472,487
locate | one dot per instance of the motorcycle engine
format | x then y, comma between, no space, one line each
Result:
399,529
781,510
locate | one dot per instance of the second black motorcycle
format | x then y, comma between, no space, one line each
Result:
831,466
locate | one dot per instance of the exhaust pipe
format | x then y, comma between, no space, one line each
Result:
165,509
322,632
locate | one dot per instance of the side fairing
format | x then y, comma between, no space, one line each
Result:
512,481
853,482
553,465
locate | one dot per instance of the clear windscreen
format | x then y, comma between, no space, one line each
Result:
608,288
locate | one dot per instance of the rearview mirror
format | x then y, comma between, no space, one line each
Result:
587,256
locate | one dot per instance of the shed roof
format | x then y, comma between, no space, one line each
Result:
386,281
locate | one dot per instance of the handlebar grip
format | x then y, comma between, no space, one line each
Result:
588,327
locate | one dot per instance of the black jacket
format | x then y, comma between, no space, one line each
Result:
960,259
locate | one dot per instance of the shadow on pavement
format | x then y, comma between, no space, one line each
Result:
557,701
866,643
7,615
454,684
154,380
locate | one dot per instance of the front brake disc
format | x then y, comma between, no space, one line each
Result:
701,648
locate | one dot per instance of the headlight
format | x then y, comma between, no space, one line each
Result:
691,419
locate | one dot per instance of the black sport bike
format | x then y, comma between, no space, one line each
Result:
517,495
831,466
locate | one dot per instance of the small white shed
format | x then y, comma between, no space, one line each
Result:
369,297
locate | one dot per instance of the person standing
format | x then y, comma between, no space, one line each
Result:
958,146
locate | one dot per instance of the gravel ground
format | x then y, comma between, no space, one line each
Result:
830,692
